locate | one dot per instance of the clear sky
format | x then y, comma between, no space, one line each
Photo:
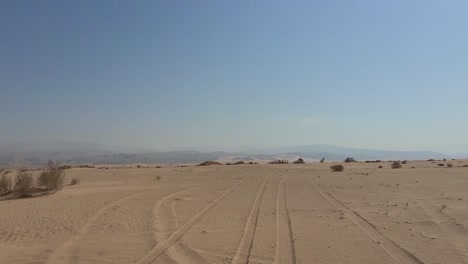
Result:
189,74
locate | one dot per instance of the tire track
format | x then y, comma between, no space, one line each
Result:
59,254
245,245
179,253
164,245
284,244
398,253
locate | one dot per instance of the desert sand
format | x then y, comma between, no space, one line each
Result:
245,214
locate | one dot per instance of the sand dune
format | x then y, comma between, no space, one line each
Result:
245,214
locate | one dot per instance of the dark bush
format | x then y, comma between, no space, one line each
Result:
396,165
75,181
299,161
349,159
239,162
209,163
283,161
337,167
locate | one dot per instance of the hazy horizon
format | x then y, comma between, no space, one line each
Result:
164,75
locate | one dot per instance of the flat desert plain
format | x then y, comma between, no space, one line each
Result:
245,214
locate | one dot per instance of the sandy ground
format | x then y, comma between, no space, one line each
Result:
245,214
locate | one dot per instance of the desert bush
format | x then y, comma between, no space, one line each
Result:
349,159
337,167
251,163
380,167
75,181
441,164
158,167
450,165
465,166
5,185
404,162
299,161
23,183
138,166
396,165
52,177
322,160
283,161
209,162
239,162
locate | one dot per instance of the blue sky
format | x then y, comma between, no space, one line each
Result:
193,74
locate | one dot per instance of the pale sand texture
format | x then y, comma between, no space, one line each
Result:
245,214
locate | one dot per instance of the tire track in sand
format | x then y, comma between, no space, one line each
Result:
179,253
164,245
245,245
59,254
398,253
284,244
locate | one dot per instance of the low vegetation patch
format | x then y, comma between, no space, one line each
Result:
5,185
396,165
337,167
239,162
75,181
209,163
52,178
450,165
440,164
350,159
23,183
299,161
283,161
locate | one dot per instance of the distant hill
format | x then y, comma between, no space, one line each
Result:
31,154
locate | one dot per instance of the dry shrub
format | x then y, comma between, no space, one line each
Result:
239,162
441,164
380,167
404,162
396,165
283,161
5,185
450,165
52,177
23,183
209,162
299,161
338,167
349,159
75,181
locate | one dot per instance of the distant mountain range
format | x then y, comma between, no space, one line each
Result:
34,154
